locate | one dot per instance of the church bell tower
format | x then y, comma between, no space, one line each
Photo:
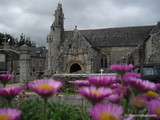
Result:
55,39
59,17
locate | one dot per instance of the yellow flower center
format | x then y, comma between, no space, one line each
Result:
158,112
4,117
152,94
95,92
107,116
45,87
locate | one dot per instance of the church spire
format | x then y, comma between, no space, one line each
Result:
60,1
59,17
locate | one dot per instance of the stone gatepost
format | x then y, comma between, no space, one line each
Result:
25,64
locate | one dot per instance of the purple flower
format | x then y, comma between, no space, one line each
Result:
154,107
115,85
122,68
94,94
114,98
80,83
10,92
107,112
5,78
103,80
121,91
139,102
45,88
131,75
158,86
10,114
141,85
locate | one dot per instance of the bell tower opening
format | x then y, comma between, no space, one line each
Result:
75,68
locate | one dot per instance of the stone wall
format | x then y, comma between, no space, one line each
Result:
116,54
152,50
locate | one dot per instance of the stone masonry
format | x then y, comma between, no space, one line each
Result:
87,51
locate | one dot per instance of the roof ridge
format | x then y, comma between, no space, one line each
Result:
112,28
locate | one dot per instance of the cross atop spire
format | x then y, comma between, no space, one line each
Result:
60,1
75,27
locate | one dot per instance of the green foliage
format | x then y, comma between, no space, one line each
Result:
10,39
33,110
65,112
68,88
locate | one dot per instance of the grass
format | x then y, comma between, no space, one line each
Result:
32,110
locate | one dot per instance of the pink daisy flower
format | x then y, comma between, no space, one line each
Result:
45,88
103,80
158,86
142,85
131,75
107,112
80,83
122,68
114,98
94,94
10,92
10,114
5,78
154,108
122,91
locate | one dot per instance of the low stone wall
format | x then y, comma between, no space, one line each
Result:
67,99
71,100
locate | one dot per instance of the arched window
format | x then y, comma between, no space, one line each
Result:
70,46
104,62
101,62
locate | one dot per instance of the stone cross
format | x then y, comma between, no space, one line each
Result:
101,70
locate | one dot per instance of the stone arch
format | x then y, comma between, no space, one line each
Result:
72,62
75,68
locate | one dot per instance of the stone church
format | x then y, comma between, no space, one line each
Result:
87,51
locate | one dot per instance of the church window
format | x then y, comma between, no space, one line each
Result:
70,45
59,21
101,62
33,69
104,63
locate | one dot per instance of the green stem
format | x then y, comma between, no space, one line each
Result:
4,85
45,109
122,81
83,110
9,103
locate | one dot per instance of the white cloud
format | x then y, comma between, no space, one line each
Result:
34,17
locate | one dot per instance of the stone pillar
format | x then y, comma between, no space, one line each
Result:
25,64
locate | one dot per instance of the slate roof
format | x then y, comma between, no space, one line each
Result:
114,37
156,29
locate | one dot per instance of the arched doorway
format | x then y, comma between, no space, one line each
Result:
75,68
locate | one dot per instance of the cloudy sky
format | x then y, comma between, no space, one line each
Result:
34,17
